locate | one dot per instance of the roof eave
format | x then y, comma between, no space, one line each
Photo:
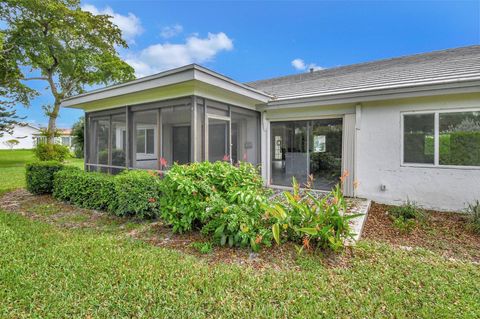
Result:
167,78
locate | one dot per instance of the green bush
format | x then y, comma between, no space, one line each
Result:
39,176
312,222
137,193
406,216
473,211
223,200
51,152
409,210
84,189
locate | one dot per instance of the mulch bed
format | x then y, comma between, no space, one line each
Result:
45,208
443,233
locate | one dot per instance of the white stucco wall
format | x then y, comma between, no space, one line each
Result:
379,158
23,134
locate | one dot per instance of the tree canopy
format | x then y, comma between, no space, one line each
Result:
56,42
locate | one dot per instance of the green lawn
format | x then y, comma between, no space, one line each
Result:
48,271
12,168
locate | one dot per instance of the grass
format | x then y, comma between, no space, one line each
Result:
50,272
12,164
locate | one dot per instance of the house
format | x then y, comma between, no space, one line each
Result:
23,133
403,128
64,137
29,135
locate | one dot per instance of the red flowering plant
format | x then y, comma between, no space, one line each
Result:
163,163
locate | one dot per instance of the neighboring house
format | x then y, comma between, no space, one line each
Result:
64,137
404,128
24,134
29,136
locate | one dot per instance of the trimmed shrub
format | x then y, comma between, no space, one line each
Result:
39,176
137,193
222,200
51,152
84,189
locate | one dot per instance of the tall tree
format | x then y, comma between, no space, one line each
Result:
56,42
12,91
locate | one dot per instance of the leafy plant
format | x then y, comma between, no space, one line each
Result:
203,248
473,211
137,193
222,200
40,175
404,225
78,133
406,216
313,222
51,152
239,222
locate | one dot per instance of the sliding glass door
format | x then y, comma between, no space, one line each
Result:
306,148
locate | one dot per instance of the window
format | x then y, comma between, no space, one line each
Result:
459,138
66,140
146,141
442,138
418,138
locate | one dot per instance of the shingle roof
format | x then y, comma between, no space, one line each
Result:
459,63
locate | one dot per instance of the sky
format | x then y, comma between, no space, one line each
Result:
252,40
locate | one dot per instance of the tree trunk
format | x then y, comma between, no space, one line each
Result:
52,126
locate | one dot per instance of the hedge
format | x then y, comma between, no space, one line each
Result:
84,189
133,193
39,176
137,193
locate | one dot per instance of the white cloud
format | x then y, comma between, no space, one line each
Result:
300,65
163,56
129,24
171,31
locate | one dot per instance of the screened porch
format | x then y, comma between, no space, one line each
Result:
183,130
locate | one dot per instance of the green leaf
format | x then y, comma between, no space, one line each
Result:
276,233
307,230
223,240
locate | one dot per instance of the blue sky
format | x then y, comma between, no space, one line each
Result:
256,40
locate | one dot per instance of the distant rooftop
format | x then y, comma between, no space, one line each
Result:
452,64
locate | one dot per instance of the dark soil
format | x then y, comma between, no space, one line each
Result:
445,233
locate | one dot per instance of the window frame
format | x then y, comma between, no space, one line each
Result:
145,128
436,146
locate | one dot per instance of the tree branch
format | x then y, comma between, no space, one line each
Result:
35,78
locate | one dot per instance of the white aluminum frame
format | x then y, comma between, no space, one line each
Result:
436,146
229,142
268,160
